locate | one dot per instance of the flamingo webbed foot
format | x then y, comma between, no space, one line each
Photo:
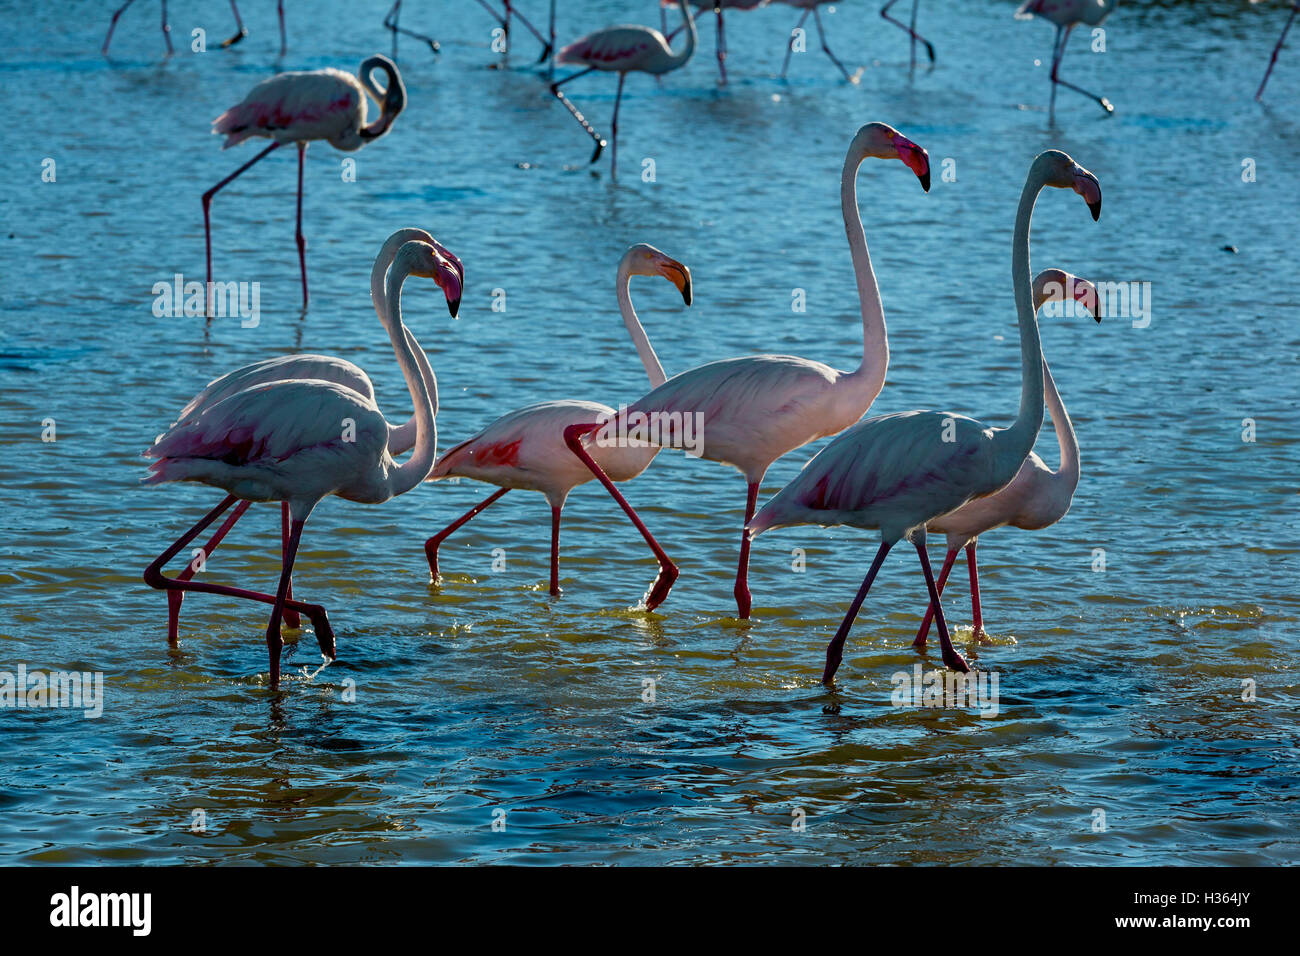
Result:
231,41
660,588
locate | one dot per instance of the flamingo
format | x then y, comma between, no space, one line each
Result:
1068,14
299,107
390,21
911,30
525,449
304,366
757,408
297,441
896,473
1037,497
238,35
1295,8
810,6
717,6
621,50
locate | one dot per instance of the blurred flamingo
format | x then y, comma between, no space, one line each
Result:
757,408
717,6
1037,497
525,448
911,30
298,441
897,473
1295,8
810,6
1068,14
503,17
621,50
300,107
239,34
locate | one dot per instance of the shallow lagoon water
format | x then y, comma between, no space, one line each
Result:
1120,690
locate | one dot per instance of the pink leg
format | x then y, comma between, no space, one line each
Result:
817,18
154,577
789,46
1058,50
741,590
274,642
929,611
1295,8
976,615
299,237
835,650
950,656
284,42
290,615
929,48
663,582
240,32
390,21
721,48
207,217
167,29
174,598
431,546
555,551
1056,79
613,130
113,24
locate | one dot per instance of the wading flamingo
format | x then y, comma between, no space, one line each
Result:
502,17
621,50
239,34
717,6
1037,497
300,440
896,473
757,408
1295,8
911,30
810,6
525,448
298,108
327,368
1068,14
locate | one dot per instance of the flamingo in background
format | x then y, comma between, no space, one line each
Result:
297,441
911,30
757,408
1037,497
325,368
525,448
897,473
717,6
1068,14
503,18
1295,8
300,107
621,50
810,6
239,34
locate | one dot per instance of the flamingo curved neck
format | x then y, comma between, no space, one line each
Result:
1066,440
391,100
415,469
634,329
875,340
677,59
401,438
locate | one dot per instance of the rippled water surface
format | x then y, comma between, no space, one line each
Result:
1120,690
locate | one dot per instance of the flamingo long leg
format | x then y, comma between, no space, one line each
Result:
113,24
950,656
789,47
663,582
431,546
1056,79
929,47
175,598
240,32
290,615
505,23
742,571
1295,8
167,29
977,616
299,238
390,21
835,650
555,550
284,41
924,632
721,45
154,577
274,642
550,45
817,18
613,132
207,219
582,120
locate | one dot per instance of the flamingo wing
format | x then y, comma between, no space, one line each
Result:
618,48
316,104
324,368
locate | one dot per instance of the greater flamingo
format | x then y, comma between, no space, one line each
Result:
525,448
325,368
757,408
1272,60
621,50
1037,497
717,6
297,441
299,107
239,34
1066,15
898,472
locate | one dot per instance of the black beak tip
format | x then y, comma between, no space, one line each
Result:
925,180
686,293
453,306
1096,210
1097,319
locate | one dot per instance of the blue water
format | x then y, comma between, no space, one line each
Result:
1120,690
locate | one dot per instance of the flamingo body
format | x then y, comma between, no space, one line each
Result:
326,104
1066,13
622,49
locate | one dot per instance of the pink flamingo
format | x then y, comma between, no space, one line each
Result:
296,441
1068,14
621,50
1272,61
525,448
325,368
300,107
1037,497
717,6
911,30
239,34
899,472
757,408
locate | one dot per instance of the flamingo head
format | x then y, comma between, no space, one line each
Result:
882,141
1061,171
1057,285
432,261
645,260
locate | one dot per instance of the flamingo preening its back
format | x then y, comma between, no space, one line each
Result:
239,34
755,409
297,441
299,107
621,50
896,473
525,448
1036,497
1066,15
1272,60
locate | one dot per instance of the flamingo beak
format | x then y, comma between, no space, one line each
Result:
678,275
1085,293
916,158
1086,185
